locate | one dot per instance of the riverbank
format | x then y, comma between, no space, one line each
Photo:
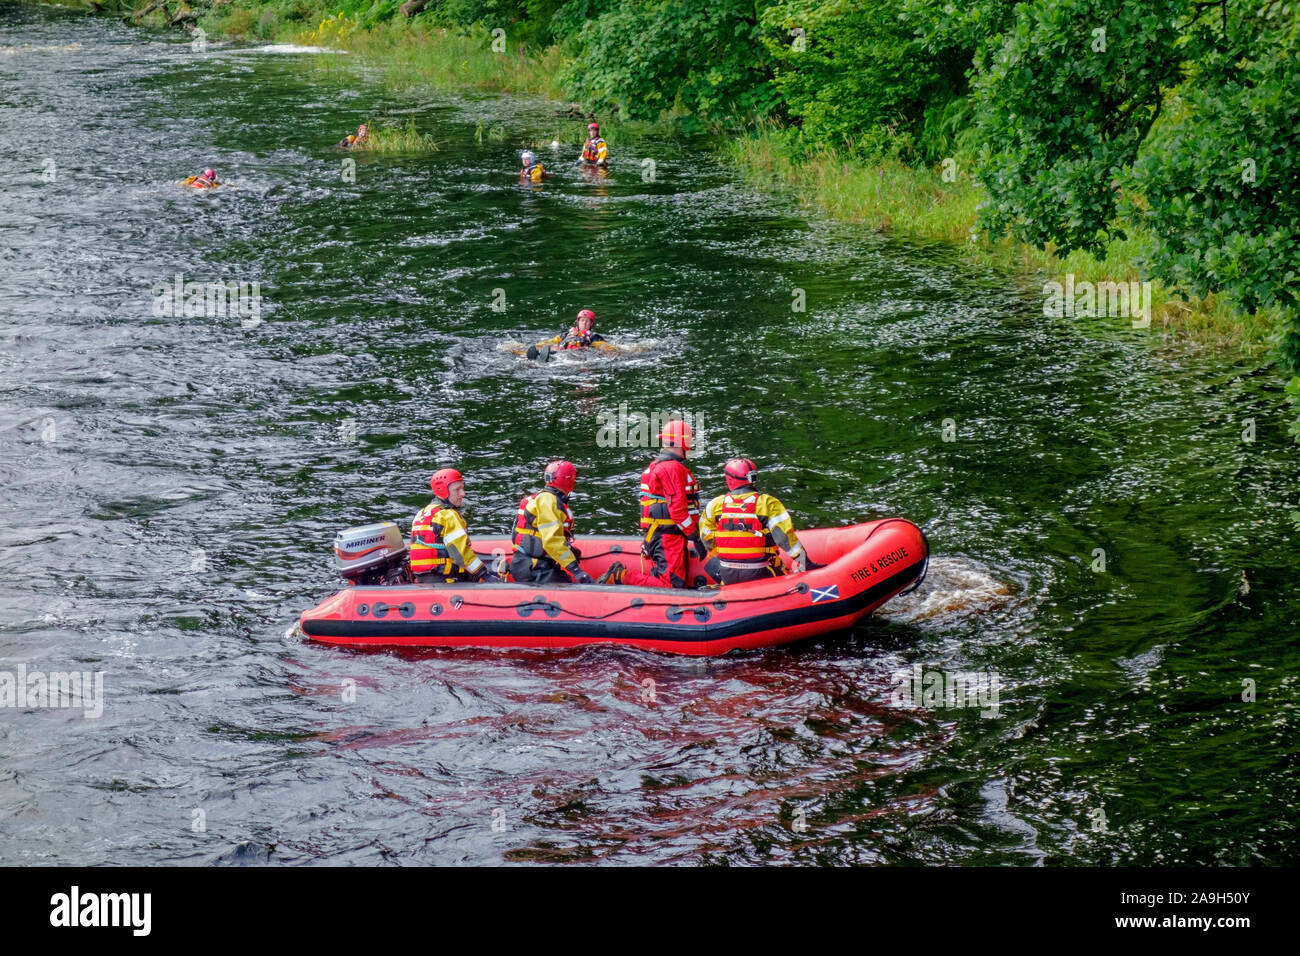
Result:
882,194
912,203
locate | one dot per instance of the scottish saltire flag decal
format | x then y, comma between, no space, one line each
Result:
831,593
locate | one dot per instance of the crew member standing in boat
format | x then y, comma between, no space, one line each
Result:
596,151
746,527
670,511
441,551
544,551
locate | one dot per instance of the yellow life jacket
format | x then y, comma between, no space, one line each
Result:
528,537
428,543
743,540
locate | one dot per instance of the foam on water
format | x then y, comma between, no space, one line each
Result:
955,587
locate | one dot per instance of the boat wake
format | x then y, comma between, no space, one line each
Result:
955,587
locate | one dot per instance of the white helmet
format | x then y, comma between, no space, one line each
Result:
528,157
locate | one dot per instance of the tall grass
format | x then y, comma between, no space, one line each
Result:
411,54
415,55
397,138
900,199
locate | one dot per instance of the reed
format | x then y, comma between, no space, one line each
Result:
397,138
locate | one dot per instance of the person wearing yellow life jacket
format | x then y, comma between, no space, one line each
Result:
544,552
533,171
360,138
204,180
580,336
596,151
441,551
746,527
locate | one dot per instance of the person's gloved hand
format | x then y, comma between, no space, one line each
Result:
581,577
801,562
701,549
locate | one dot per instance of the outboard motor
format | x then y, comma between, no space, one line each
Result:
372,554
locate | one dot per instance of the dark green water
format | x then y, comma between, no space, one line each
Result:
172,486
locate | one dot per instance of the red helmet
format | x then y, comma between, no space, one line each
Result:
562,474
210,174
594,125
442,481
587,314
677,432
740,472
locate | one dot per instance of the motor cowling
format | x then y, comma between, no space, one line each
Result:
371,554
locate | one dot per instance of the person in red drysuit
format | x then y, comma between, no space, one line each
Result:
670,516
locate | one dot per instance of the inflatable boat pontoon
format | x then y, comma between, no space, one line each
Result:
864,566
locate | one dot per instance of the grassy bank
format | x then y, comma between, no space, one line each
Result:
416,54
412,55
909,202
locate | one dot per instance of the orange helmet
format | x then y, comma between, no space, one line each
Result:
442,481
740,472
561,474
677,432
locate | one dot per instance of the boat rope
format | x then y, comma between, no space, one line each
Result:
636,604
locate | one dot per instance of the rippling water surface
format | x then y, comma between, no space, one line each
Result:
172,485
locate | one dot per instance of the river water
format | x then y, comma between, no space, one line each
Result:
1109,548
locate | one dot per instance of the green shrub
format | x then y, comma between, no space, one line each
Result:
649,58
1062,106
1221,185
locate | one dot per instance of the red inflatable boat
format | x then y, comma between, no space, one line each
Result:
864,566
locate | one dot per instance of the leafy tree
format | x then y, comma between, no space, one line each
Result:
886,74
1062,106
701,56
527,21
1221,182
